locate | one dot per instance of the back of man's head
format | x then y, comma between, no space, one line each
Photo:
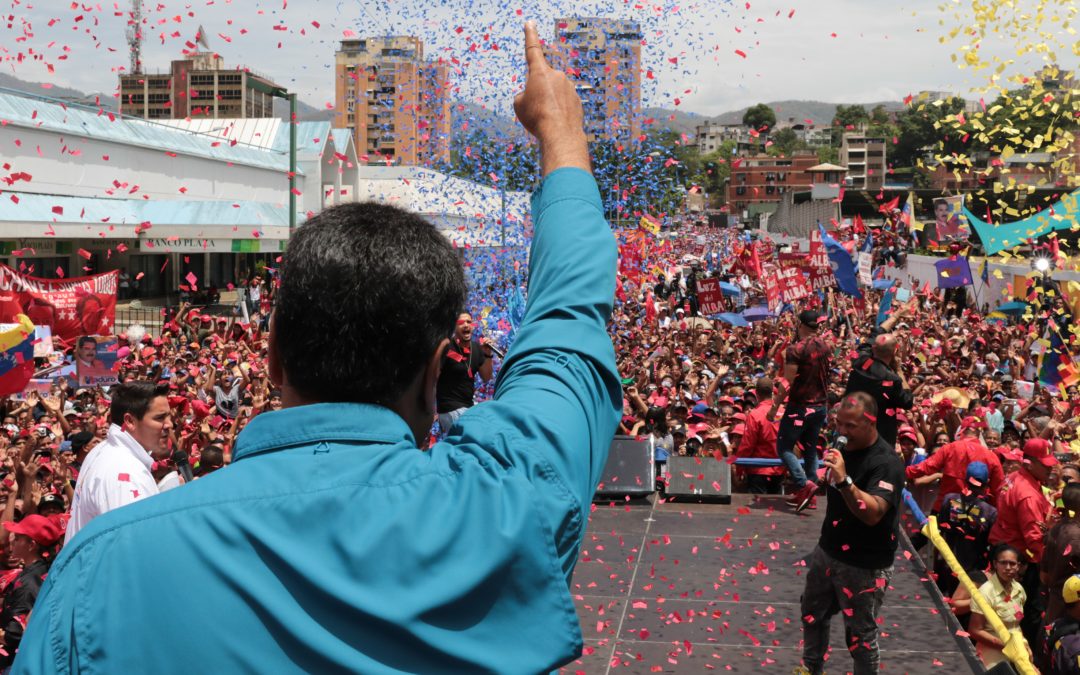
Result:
763,388
1070,499
885,347
368,292
133,397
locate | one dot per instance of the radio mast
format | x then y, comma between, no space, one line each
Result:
134,37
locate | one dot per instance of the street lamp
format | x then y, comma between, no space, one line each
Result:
281,92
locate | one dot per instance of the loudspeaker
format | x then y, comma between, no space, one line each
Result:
629,470
698,477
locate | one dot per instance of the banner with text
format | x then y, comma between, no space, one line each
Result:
784,286
70,307
866,268
710,297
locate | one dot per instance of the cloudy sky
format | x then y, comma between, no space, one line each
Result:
832,50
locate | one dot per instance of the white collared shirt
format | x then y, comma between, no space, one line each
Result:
114,474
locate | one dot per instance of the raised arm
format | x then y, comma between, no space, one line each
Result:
558,396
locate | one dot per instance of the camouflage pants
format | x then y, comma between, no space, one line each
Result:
831,587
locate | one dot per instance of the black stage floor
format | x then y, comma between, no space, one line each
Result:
691,588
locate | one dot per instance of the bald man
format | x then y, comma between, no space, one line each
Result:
876,371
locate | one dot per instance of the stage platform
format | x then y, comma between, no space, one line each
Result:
691,588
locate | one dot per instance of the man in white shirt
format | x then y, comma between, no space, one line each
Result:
117,471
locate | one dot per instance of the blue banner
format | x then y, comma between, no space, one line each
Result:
953,272
842,267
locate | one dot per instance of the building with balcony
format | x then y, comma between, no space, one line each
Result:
763,180
711,135
864,157
396,103
603,58
195,87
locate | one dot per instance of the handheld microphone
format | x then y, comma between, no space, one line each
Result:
840,445
180,459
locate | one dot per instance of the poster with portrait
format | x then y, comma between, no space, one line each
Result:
95,360
949,223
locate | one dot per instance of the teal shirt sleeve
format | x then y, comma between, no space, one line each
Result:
558,397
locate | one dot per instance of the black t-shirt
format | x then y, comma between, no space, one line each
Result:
459,367
879,471
873,377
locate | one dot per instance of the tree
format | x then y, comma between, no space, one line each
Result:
759,116
921,132
850,116
879,115
828,155
785,142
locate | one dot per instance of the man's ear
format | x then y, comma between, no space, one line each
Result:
431,376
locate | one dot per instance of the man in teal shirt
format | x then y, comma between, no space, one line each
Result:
333,543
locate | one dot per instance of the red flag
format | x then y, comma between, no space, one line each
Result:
860,227
888,206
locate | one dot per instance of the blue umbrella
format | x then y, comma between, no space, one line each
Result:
729,289
759,313
736,320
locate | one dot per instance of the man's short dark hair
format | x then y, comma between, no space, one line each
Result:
84,339
368,291
212,457
763,388
1070,499
133,397
861,399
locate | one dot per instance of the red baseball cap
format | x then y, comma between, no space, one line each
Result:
1040,450
46,531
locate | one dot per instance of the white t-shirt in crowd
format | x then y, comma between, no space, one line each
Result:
114,474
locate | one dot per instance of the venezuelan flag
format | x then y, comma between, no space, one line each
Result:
16,355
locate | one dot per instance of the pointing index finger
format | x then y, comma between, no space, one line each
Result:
534,53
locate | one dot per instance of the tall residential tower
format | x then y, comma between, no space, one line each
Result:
603,57
396,104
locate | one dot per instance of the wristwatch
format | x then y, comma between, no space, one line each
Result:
846,483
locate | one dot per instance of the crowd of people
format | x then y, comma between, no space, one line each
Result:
949,394
993,463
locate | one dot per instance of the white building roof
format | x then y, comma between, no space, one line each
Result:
22,109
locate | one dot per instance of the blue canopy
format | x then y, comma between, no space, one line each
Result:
997,238
729,289
734,319
1014,307
759,313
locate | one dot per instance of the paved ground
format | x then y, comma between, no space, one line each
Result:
690,588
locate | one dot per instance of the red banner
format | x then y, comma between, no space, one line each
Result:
799,260
784,286
821,275
710,297
72,307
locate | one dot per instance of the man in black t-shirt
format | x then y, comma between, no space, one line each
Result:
463,360
876,371
852,564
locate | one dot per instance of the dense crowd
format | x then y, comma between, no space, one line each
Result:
986,449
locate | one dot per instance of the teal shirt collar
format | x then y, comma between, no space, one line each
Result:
316,422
